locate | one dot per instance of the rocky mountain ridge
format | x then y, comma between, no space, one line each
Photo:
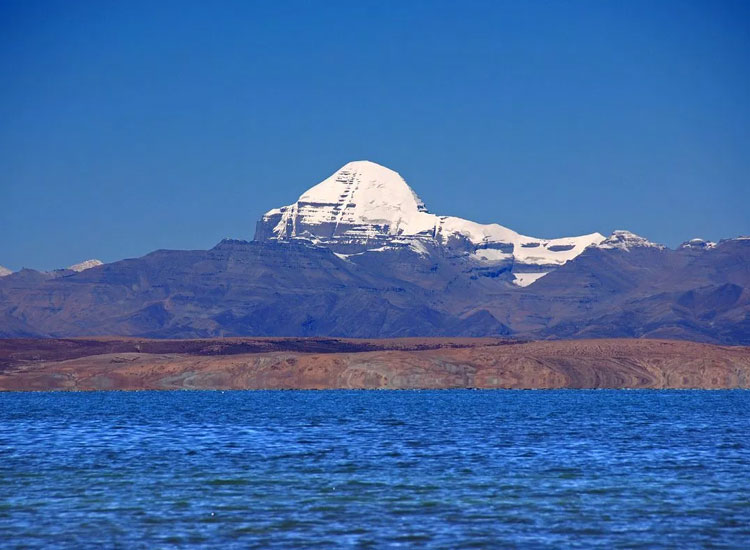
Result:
299,289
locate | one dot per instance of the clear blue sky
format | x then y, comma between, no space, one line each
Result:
131,126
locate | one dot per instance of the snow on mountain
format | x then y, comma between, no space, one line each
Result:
4,271
88,264
367,207
361,201
625,240
525,279
698,244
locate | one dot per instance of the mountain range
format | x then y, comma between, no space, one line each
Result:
359,255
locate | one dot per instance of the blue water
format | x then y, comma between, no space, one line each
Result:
438,469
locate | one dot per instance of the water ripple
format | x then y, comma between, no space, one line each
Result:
443,469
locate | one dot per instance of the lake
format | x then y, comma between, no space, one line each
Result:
375,469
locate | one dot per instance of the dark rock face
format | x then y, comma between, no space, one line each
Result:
236,288
266,288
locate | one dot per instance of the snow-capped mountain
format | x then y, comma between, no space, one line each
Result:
88,264
367,207
359,255
4,271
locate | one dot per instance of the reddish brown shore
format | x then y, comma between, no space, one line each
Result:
322,363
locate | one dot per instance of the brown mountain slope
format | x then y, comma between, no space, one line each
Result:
368,364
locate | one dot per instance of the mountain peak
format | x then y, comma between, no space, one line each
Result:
370,170
626,240
360,200
366,190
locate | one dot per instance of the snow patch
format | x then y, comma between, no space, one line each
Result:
83,266
698,244
525,279
491,255
419,247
